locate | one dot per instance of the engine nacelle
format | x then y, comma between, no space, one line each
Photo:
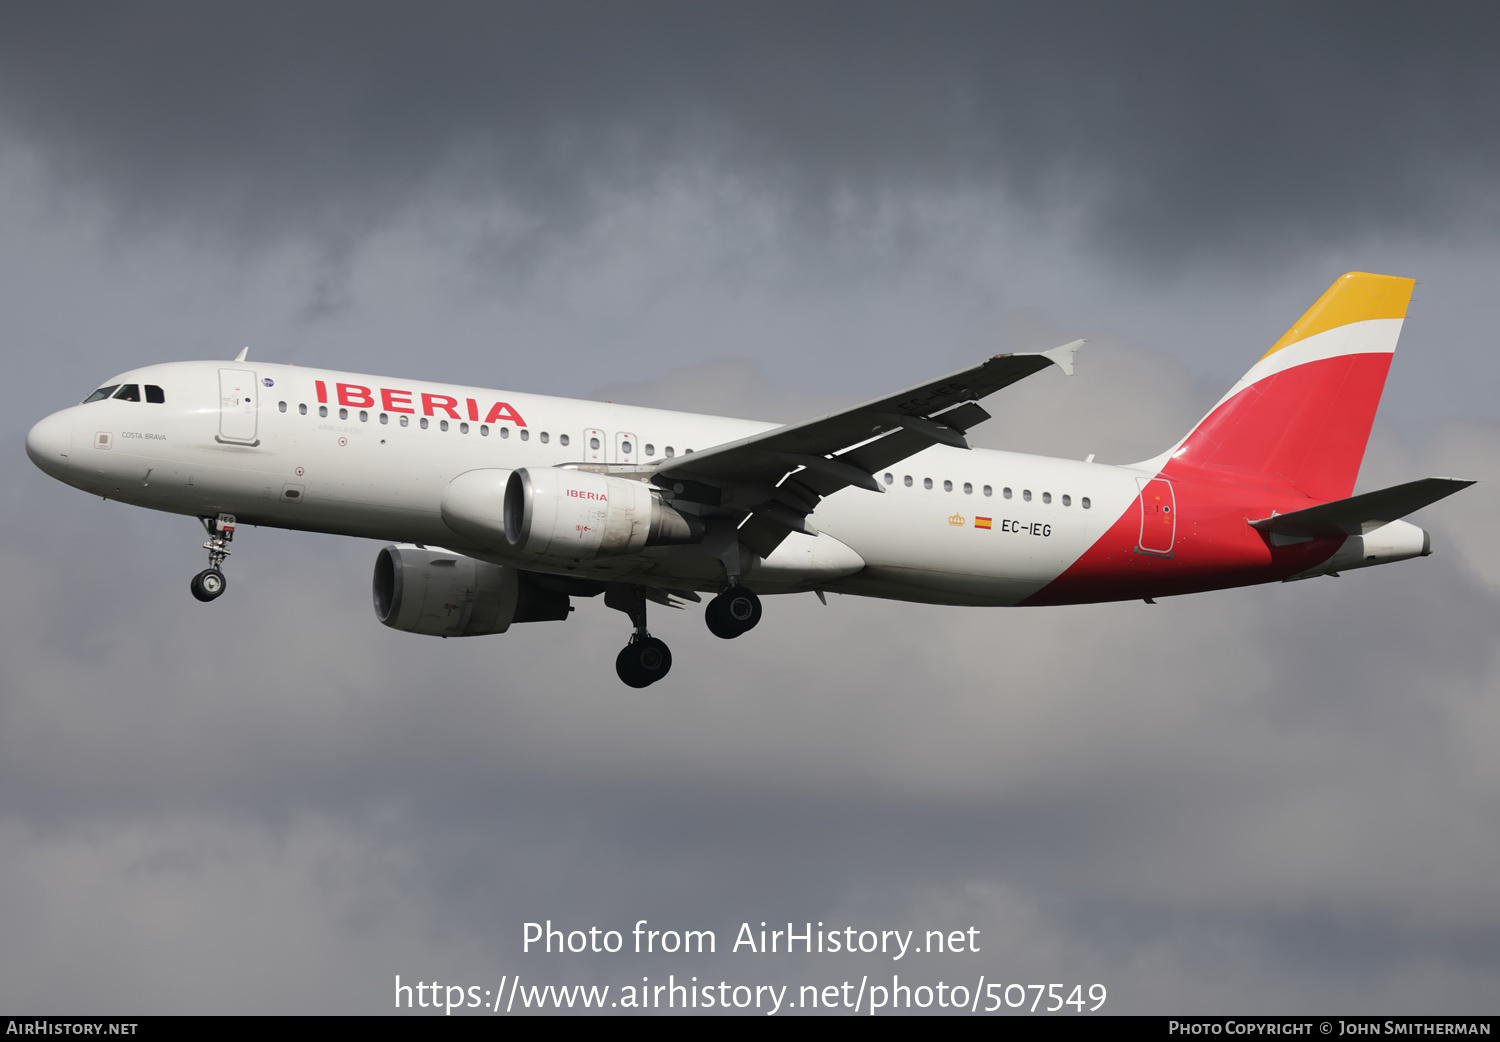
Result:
474,505
444,594
561,512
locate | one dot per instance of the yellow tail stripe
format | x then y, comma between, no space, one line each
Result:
1353,298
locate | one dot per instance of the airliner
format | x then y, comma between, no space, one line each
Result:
501,507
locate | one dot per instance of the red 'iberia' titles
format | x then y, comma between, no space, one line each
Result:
395,400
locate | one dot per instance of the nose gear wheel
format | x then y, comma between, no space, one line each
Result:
208,584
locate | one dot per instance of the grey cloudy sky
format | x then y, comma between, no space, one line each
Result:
1279,799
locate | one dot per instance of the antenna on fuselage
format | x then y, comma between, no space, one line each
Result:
243,352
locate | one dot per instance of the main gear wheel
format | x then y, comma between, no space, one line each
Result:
733,612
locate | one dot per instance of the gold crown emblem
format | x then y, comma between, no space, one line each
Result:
955,519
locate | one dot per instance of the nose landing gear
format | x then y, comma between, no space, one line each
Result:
645,660
210,583
733,612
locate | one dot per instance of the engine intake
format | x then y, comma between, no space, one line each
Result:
561,512
444,594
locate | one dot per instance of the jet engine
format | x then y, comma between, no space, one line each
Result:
562,512
444,594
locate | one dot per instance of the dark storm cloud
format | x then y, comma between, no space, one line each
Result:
1166,129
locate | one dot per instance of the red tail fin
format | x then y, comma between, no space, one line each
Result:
1302,415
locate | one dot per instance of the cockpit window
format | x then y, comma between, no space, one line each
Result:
128,393
155,394
101,394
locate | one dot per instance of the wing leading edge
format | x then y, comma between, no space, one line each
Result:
772,481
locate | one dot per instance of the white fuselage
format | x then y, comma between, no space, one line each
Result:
265,443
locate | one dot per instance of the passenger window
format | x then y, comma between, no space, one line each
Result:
687,452
890,479
484,430
927,483
128,393
594,444
907,480
947,486
422,423
1067,500
302,408
988,491
404,420
1085,502
156,396
323,411
625,447
968,489
101,394
670,452
1026,494
1005,491
442,425
463,428
281,406
650,451
525,434
364,416
1046,497
343,414
384,418
505,432
544,437
563,439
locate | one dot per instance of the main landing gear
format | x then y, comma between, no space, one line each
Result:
645,660
736,609
732,612
210,583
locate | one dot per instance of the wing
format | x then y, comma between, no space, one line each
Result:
772,481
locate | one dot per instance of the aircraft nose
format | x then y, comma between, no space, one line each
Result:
50,442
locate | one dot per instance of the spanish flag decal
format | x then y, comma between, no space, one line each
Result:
981,522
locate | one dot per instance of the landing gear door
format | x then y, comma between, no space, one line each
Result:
1158,517
593,446
237,406
626,448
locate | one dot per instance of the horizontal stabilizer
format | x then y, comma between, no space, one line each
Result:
1363,513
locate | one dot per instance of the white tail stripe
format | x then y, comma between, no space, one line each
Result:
1368,337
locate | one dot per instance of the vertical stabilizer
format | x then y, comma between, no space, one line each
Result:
1302,415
